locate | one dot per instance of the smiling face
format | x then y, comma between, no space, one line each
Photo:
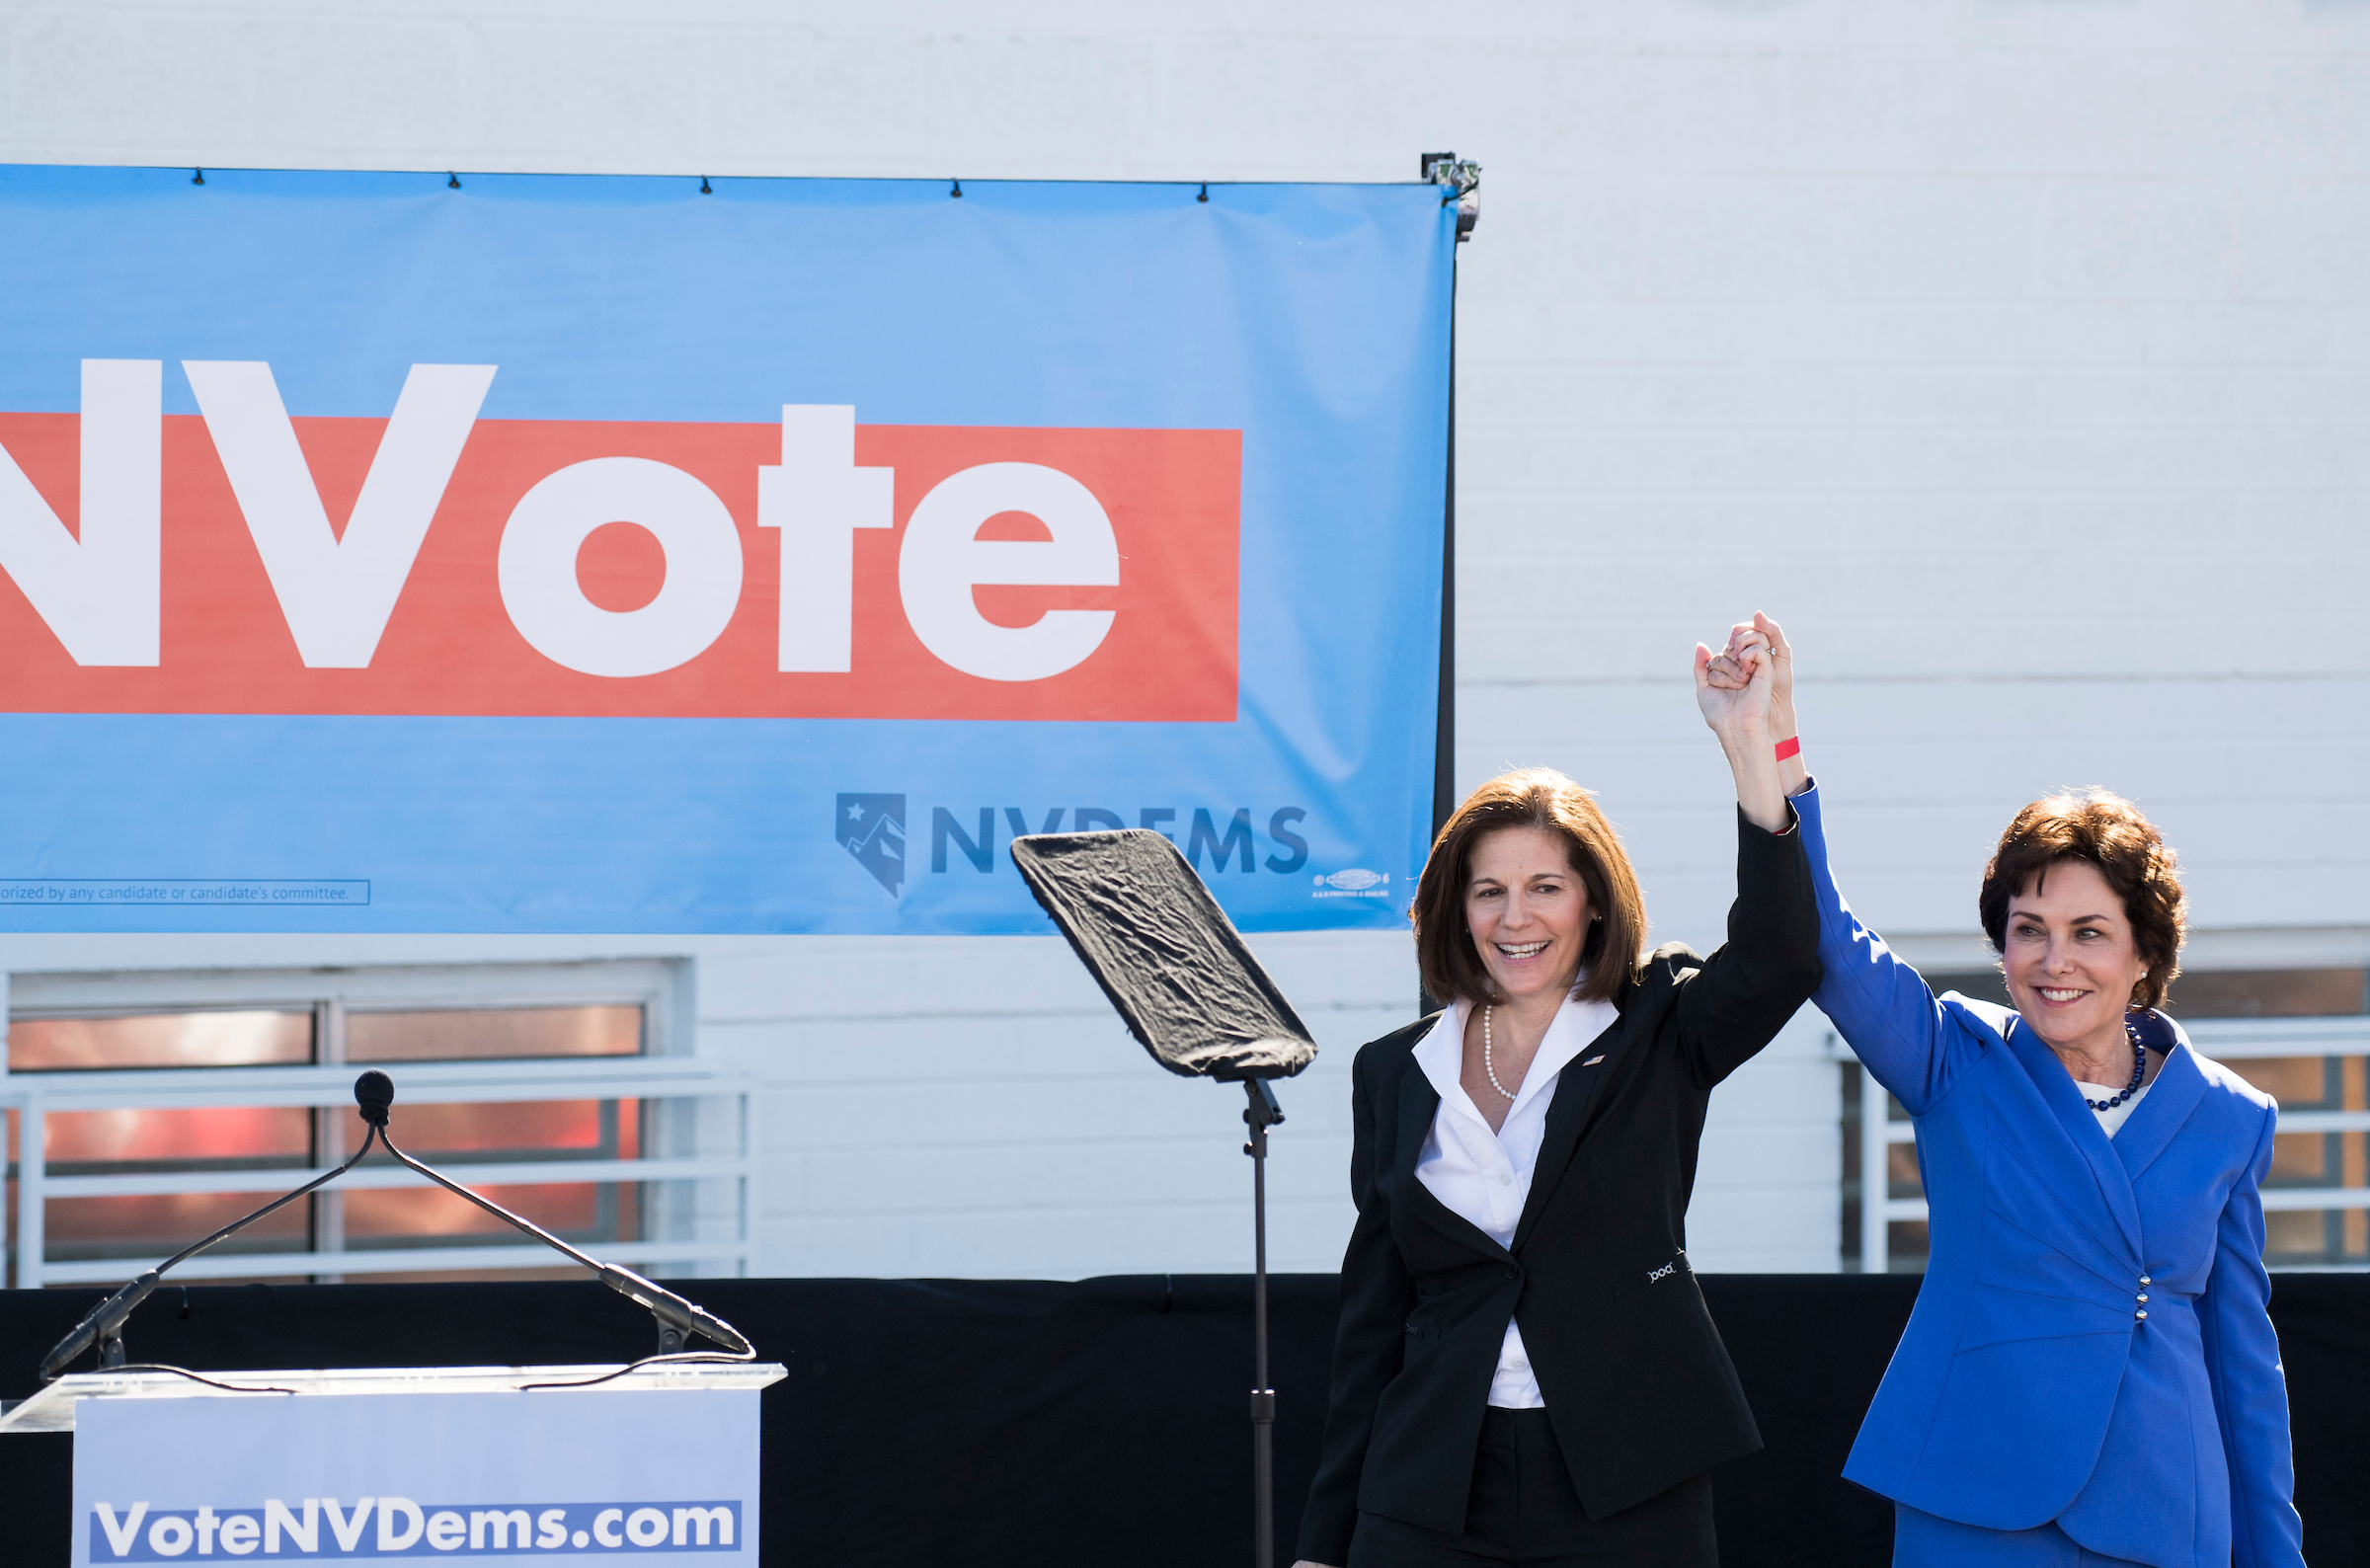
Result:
1528,911
2070,957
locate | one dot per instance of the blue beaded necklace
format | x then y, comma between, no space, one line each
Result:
2139,1071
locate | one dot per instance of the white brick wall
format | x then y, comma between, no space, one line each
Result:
2019,355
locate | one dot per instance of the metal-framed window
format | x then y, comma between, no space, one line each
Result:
146,1109
2301,1036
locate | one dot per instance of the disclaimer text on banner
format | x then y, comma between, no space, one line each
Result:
183,891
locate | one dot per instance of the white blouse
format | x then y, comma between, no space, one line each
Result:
2114,1117
1486,1176
2110,1122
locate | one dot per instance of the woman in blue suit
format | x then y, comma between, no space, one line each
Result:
2089,1376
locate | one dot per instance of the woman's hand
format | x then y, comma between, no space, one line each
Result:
1762,635
1762,640
1740,716
1733,688
1782,678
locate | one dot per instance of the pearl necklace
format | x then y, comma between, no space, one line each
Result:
2139,1068
1490,1066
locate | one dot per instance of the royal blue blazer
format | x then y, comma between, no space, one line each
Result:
2091,1344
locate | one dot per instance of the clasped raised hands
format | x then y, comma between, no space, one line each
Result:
1735,688
1746,693
1754,646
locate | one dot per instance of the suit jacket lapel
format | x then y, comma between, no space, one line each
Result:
1419,1103
1568,1113
2081,1126
2178,1089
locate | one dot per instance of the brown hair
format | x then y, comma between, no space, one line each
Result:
2110,833
1538,797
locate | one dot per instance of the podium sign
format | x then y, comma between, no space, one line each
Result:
656,1475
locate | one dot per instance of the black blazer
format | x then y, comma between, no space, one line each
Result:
1636,1381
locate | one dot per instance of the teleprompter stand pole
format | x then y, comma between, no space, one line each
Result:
1151,934
1262,1114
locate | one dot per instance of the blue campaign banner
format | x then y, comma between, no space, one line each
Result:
555,553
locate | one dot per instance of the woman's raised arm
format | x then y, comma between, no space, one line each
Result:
1758,978
1739,714
1881,1005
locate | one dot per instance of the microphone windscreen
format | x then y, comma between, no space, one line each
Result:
374,1092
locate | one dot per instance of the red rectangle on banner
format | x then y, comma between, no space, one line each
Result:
452,644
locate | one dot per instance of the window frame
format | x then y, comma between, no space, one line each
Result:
659,987
697,1121
1872,1127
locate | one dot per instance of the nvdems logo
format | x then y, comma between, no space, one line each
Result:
872,827
319,1528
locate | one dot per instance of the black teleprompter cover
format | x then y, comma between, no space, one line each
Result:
1147,928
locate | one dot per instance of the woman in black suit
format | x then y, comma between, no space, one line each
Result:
1525,1372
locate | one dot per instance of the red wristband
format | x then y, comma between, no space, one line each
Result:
1788,750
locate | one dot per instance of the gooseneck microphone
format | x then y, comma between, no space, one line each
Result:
678,1319
373,1092
374,1096
104,1323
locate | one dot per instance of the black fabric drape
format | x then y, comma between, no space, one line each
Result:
993,1422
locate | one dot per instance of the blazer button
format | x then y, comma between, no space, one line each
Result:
2144,1278
2141,1315
1513,1273
2143,1296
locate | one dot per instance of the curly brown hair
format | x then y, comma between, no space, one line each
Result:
2110,833
1538,797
